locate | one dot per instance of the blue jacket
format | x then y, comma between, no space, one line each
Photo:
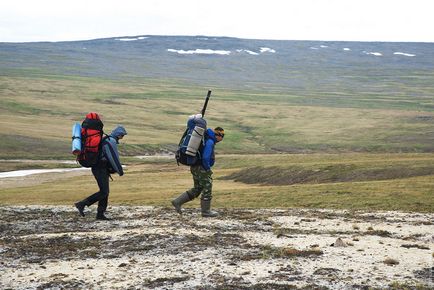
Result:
110,149
208,157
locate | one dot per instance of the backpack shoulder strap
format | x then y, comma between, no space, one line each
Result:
183,136
103,139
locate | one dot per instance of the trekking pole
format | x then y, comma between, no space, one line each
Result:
206,103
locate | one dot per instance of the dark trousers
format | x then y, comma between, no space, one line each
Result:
101,174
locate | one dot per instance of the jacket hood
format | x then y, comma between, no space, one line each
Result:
211,135
118,131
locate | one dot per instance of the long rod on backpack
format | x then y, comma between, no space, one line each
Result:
206,103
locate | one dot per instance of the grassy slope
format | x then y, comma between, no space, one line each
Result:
41,111
155,183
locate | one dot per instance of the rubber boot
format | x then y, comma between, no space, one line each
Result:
180,200
206,206
80,206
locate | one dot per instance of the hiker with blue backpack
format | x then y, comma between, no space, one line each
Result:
101,154
200,163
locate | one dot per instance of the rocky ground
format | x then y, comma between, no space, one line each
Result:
51,247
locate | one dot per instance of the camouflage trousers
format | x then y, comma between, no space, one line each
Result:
202,183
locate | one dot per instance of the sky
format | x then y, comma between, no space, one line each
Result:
339,20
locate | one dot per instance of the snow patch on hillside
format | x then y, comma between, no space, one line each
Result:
200,51
222,52
373,53
404,54
247,51
132,38
267,49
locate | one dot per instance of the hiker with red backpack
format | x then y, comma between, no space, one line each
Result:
106,160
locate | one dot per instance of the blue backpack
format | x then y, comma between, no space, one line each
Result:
191,142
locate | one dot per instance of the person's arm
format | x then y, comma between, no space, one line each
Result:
206,154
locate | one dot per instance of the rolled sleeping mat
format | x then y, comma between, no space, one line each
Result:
195,140
76,138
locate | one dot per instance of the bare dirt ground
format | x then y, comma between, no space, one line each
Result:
51,247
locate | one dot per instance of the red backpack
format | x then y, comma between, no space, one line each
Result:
91,137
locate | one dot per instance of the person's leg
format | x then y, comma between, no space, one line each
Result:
101,177
104,189
197,188
205,180
189,194
102,203
96,171
179,201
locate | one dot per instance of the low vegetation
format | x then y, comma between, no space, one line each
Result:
390,261
288,252
276,175
42,109
155,181
283,148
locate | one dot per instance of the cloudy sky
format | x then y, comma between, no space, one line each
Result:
354,20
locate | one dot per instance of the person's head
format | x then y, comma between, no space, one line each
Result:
219,133
119,132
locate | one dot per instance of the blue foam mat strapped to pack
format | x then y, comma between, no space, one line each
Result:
76,138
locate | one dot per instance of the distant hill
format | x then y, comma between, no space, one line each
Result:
270,96
295,66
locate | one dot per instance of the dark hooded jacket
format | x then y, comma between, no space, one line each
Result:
110,150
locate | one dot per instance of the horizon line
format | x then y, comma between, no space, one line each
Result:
209,36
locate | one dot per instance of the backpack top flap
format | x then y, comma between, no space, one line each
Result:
92,121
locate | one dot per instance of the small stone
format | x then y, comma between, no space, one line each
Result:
339,243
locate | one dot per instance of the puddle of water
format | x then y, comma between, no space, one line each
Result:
168,156
21,173
38,161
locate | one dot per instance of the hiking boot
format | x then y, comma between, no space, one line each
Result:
206,209
102,217
80,206
180,200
